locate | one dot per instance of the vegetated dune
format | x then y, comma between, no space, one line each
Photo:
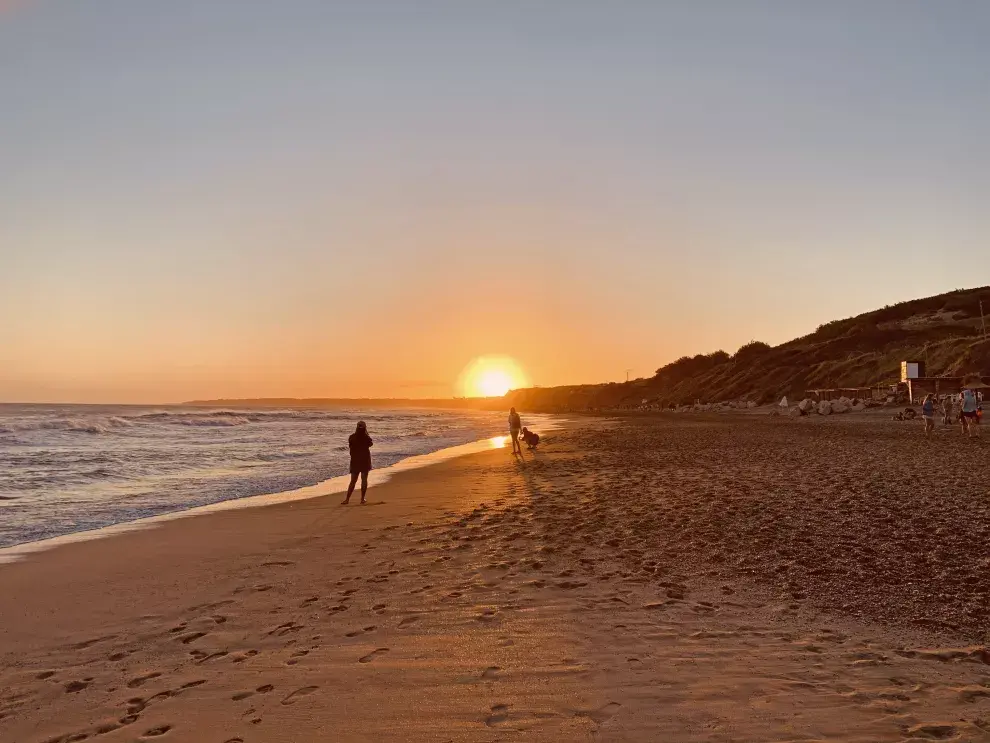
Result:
860,351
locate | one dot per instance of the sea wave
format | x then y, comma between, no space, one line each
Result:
71,425
236,417
223,421
107,424
76,425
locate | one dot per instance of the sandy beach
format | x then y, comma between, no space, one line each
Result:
641,579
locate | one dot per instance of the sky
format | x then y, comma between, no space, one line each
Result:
248,198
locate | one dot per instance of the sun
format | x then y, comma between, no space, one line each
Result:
494,383
491,376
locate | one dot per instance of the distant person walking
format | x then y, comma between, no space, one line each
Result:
928,414
360,444
969,416
515,427
949,411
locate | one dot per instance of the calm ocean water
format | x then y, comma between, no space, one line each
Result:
65,469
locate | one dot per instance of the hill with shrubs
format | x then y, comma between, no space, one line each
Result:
944,331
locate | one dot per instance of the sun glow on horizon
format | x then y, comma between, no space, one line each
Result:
491,376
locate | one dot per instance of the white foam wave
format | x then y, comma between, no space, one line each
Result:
238,417
76,425
222,421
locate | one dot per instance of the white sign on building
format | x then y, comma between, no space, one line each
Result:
910,370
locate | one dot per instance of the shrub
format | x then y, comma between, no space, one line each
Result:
750,351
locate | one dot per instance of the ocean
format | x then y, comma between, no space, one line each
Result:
71,468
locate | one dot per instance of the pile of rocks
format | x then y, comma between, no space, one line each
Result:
716,407
827,407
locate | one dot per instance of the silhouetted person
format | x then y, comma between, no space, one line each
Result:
969,415
531,439
928,413
515,424
360,444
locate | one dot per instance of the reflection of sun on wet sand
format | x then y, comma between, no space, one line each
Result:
688,580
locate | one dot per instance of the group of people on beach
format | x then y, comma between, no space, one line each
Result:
360,442
969,412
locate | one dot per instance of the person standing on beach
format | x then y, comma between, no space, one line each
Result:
948,411
515,426
360,444
928,414
969,416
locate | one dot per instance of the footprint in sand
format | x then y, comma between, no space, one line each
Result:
970,694
490,673
284,629
937,731
45,675
134,683
211,656
157,731
277,564
406,621
372,655
500,713
89,643
294,658
601,714
191,637
73,686
298,694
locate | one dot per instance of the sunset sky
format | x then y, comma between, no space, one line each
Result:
312,198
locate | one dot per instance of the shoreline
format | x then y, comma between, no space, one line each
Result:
330,486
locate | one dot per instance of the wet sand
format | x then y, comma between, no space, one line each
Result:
667,579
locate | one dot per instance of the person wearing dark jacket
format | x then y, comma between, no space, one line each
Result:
532,439
360,444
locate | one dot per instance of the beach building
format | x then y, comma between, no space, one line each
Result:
916,384
918,387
